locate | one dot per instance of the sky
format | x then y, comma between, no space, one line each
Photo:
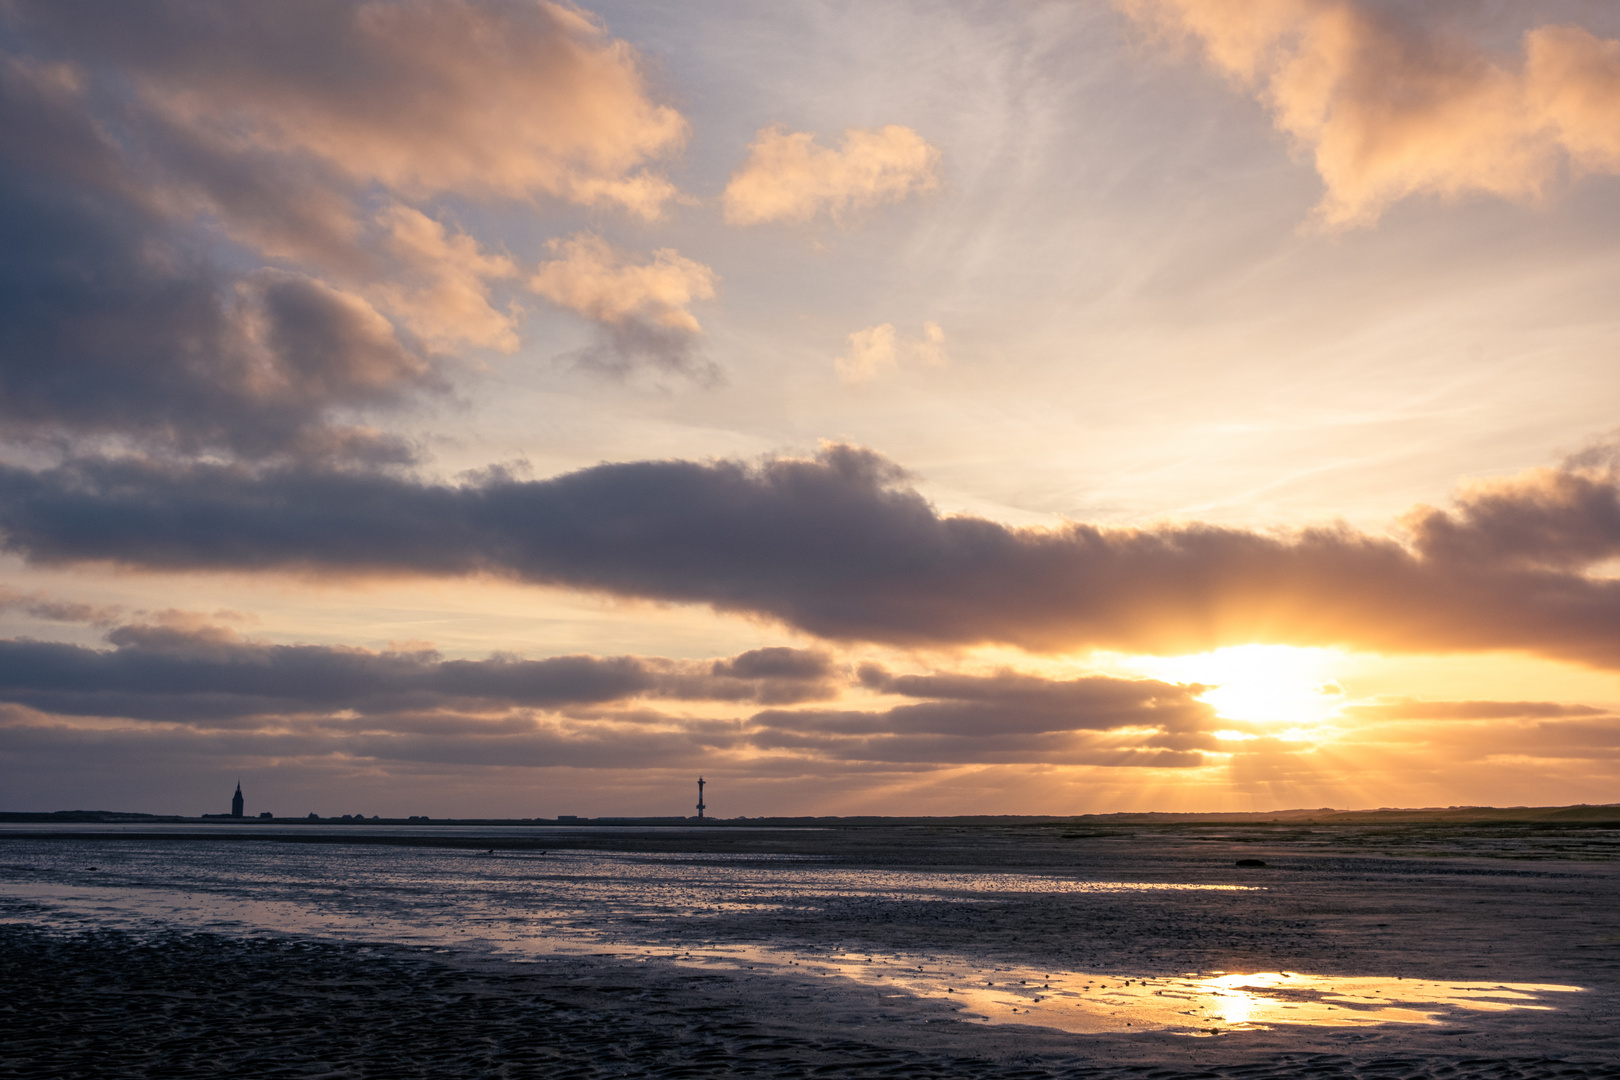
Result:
511,408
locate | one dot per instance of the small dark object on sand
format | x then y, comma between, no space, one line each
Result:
1251,862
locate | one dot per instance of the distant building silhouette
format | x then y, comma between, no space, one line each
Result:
700,806
236,801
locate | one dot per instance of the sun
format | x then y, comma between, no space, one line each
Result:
1258,684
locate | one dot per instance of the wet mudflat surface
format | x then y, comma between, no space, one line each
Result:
916,951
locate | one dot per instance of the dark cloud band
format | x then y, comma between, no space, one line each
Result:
190,675
574,709
842,547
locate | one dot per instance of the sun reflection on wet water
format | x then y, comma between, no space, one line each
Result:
1192,1004
1210,1004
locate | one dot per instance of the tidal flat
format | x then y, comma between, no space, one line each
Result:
1416,945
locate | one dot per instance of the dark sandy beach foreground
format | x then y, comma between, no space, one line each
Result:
107,1005
1482,904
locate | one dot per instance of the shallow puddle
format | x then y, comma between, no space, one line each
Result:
1200,1005
1193,1004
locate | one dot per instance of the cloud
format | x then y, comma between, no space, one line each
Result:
787,177
642,309
878,350
1546,519
210,232
602,284
111,325
178,671
483,99
180,688
1592,743
1028,703
1572,81
41,606
774,662
448,303
841,547
1466,710
114,325
1005,718
783,733
187,671
1391,108
34,743
1490,754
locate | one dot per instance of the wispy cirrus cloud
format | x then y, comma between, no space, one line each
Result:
1389,106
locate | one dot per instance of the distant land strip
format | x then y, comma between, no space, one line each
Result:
1597,815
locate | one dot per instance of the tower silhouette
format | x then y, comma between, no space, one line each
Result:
236,801
700,798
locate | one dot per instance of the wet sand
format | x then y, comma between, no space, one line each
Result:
776,987
108,1004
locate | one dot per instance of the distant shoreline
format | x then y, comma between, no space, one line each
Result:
1574,815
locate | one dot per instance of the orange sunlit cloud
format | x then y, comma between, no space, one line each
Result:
454,96
601,284
788,177
1388,110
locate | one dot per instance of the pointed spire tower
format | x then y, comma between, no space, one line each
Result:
236,801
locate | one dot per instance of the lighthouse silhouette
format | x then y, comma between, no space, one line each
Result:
700,798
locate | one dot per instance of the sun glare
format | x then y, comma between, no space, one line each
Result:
1258,684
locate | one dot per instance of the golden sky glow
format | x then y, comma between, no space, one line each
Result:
477,407
1259,684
